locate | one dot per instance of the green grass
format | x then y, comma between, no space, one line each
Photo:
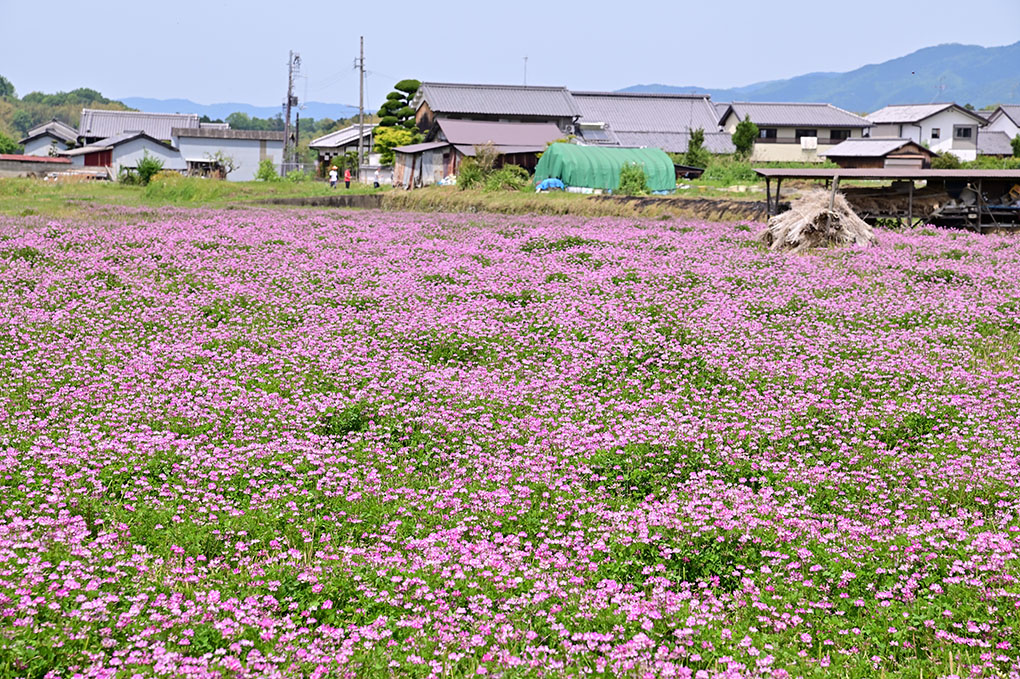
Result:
25,197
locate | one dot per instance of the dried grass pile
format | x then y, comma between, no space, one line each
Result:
818,219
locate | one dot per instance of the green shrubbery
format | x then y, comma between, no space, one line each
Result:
508,178
632,180
267,171
470,174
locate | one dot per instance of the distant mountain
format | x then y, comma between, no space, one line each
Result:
312,109
965,74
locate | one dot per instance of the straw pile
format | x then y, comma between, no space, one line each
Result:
818,219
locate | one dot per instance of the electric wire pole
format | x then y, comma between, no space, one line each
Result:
293,65
361,107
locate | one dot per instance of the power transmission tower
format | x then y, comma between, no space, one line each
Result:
293,67
361,106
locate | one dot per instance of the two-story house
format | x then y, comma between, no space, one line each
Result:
941,127
791,131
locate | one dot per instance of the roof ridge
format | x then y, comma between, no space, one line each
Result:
517,87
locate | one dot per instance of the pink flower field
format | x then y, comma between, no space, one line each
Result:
253,443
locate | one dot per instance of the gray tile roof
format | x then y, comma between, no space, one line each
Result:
630,112
103,124
472,132
994,143
675,142
343,137
1012,111
795,114
497,99
866,147
54,128
912,113
110,142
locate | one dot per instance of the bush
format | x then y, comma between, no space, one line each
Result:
729,170
508,178
744,136
470,174
945,161
632,180
298,176
1015,143
171,187
267,171
128,177
148,167
697,155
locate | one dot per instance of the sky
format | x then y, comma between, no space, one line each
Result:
236,51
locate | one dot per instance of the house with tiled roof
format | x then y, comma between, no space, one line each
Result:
793,131
1005,119
636,120
944,127
493,103
49,138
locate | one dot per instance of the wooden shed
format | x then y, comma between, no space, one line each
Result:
868,153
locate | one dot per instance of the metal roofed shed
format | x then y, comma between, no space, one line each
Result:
598,167
969,198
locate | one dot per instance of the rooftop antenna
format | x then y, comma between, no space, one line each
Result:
525,71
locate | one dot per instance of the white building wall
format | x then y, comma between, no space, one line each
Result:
1001,124
945,121
247,153
130,153
41,146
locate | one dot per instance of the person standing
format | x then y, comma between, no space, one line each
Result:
333,176
347,178
375,178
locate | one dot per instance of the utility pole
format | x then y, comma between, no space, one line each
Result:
525,71
293,66
361,106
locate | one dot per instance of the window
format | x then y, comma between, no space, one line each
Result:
839,134
963,132
935,133
806,133
767,133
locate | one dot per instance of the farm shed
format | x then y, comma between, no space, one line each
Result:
247,148
943,127
874,153
335,144
420,164
494,103
428,163
599,167
967,198
661,121
48,138
794,132
21,165
124,151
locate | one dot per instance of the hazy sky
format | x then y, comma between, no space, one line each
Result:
236,51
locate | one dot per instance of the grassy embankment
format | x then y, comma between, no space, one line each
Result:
33,196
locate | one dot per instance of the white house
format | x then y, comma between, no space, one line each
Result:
941,127
199,146
1005,119
49,138
125,151
792,131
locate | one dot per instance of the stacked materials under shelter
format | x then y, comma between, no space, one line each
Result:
598,167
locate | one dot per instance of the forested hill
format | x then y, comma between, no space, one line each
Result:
20,114
966,74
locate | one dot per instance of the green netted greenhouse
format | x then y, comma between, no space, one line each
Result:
598,167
